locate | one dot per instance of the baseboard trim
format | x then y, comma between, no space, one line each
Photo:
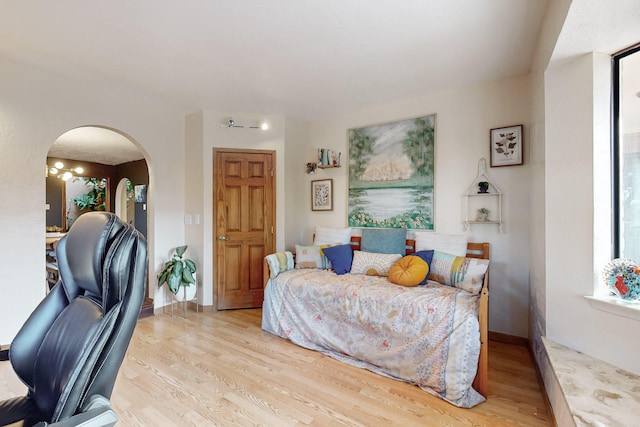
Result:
191,306
508,339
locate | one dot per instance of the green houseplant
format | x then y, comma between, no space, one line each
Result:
178,271
94,198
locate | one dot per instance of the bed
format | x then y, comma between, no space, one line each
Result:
433,336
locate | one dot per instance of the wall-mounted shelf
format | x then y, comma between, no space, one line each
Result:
475,198
327,159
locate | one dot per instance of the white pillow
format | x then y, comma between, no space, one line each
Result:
330,235
312,257
454,244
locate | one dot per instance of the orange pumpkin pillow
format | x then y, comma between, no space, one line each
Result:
409,271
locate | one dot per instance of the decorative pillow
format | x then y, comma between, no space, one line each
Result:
459,272
340,257
409,271
311,257
330,235
384,240
279,262
373,264
426,256
454,244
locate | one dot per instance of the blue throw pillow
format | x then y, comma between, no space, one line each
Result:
384,240
427,256
340,257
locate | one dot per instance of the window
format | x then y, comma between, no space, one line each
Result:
626,153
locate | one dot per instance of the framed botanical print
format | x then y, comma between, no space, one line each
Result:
322,195
506,146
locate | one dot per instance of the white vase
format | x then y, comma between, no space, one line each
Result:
187,293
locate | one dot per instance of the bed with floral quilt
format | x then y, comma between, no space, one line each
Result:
431,334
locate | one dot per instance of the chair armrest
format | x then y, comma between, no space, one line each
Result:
96,412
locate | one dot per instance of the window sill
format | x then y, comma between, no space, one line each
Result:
613,305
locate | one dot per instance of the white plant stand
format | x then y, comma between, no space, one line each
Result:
185,295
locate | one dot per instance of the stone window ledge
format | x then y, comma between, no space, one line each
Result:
595,392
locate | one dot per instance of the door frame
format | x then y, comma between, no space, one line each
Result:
214,228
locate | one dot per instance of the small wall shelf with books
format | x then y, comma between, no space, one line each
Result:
327,158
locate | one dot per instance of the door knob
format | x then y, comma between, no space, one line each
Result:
222,238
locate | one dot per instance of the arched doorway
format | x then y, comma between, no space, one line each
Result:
100,153
124,201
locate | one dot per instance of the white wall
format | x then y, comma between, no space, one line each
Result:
570,228
194,200
204,133
552,25
296,138
463,120
35,109
577,92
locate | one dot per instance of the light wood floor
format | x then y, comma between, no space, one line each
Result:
221,369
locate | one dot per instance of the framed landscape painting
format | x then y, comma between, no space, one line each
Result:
391,174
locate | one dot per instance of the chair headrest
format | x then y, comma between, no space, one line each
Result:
81,252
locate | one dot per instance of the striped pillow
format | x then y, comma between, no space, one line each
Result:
279,262
463,273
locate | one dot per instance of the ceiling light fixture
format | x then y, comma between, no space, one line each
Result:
59,171
230,123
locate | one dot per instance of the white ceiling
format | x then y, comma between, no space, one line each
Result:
304,59
95,144
612,27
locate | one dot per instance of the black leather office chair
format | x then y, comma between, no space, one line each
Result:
70,349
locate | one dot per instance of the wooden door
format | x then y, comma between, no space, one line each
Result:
244,214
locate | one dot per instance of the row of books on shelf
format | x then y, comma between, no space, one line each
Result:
328,157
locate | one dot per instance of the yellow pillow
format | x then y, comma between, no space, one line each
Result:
409,271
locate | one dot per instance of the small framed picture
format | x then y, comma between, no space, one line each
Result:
322,195
140,193
506,146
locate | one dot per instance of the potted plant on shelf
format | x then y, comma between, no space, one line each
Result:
483,214
483,187
179,274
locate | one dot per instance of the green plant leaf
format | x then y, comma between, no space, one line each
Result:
174,283
177,269
190,265
84,201
187,277
162,277
180,250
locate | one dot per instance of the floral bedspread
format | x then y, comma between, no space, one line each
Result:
427,335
